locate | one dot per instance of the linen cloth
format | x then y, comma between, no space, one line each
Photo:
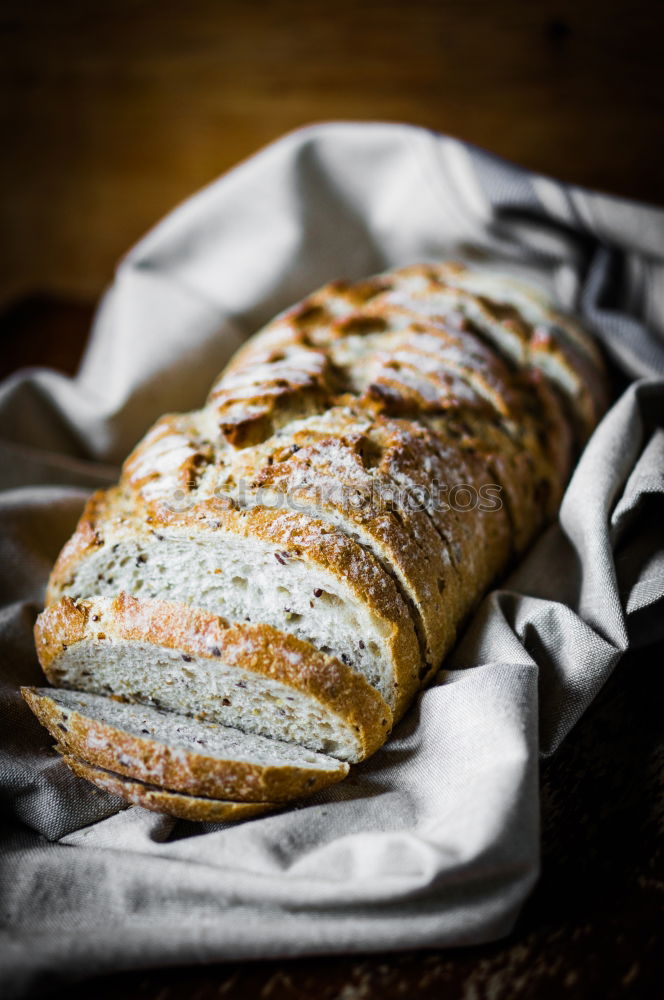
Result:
434,841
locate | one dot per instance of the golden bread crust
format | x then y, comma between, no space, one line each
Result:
190,807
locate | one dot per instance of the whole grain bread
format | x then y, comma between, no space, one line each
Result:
303,504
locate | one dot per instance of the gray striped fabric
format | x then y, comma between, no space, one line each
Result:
435,840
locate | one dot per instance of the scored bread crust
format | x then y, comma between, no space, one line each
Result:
177,804
150,759
549,344
297,383
527,438
260,649
483,304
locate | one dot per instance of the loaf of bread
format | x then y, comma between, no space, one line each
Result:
291,563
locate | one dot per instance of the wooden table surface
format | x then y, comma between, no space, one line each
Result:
112,112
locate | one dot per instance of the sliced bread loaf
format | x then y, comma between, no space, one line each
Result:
180,754
176,658
429,376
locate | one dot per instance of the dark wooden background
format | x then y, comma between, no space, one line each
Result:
115,110
112,111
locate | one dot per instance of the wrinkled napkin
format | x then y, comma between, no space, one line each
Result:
434,841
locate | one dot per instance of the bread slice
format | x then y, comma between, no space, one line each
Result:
180,754
344,467
188,661
139,793
279,567
359,471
